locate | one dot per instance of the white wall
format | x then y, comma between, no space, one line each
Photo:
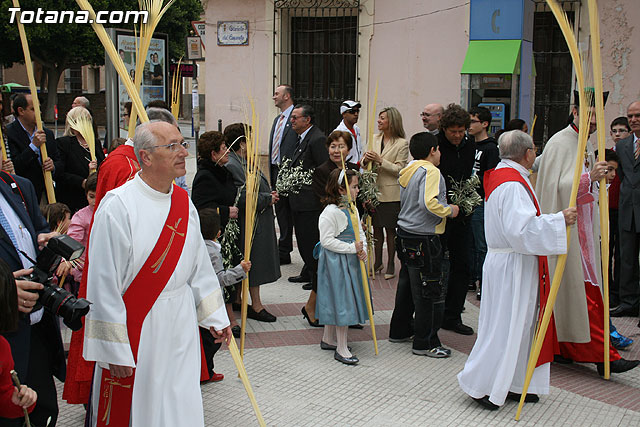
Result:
234,73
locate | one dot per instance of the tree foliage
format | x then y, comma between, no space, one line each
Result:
58,46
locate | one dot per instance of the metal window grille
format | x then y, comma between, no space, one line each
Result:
75,78
316,52
553,76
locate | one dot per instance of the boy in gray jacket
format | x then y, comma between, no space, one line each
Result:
422,218
210,229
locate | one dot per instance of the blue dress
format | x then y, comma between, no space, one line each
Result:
340,299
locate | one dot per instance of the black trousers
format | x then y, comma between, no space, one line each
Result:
284,217
40,377
629,277
420,290
210,347
456,241
614,258
307,235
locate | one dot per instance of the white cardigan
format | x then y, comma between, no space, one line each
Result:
331,223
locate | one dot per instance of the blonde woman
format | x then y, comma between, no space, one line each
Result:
75,158
389,155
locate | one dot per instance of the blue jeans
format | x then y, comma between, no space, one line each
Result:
479,251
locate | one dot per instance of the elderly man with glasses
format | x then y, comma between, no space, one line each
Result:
153,286
431,118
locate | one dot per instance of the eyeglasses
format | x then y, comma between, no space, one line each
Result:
174,146
619,131
475,121
425,115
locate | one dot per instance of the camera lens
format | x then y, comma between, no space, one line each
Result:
62,303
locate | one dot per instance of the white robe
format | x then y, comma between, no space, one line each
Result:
126,227
510,292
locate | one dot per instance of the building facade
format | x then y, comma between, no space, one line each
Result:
413,51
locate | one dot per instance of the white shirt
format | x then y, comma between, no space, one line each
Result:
20,231
304,134
25,243
357,150
286,114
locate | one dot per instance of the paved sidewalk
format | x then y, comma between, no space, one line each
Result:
298,384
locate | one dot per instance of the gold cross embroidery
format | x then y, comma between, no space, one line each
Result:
108,394
158,264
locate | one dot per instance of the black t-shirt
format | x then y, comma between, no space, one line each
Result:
487,157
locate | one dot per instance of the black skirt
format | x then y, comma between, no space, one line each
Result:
386,215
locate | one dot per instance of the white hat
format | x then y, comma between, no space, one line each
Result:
348,105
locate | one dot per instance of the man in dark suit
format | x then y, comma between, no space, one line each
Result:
628,151
282,141
25,142
37,345
310,152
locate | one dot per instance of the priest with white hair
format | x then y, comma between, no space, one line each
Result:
153,286
515,280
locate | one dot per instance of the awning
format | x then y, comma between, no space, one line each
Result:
14,87
492,57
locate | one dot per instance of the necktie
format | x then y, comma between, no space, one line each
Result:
4,222
275,153
636,151
298,141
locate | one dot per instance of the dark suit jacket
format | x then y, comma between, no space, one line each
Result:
36,224
213,187
287,146
310,153
75,169
321,176
629,170
25,160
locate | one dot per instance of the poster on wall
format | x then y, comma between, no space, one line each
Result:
154,73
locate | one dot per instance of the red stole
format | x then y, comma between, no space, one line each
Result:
493,179
114,408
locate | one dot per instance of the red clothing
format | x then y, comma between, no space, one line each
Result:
7,408
120,167
592,351
614,192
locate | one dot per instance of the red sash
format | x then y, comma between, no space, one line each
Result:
114,408
493,179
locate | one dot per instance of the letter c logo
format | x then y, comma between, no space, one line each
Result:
494,27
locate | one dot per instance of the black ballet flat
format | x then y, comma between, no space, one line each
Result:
327,346
346,360
315,324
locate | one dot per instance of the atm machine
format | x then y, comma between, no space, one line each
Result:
498,71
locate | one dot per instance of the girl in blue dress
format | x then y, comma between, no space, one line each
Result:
341,299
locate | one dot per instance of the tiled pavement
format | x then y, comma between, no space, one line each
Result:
297,384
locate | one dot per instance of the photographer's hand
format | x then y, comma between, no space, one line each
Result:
43,238
26,299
